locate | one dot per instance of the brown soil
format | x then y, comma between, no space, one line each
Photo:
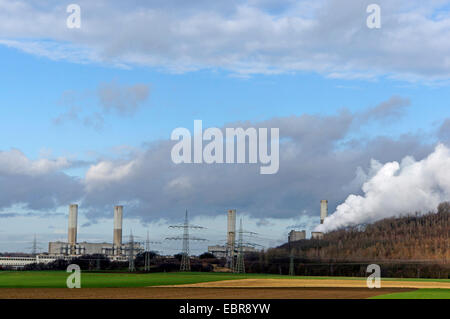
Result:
194,293
314,283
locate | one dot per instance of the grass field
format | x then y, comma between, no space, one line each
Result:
418,294
57,279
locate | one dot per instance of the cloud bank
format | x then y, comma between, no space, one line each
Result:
320,158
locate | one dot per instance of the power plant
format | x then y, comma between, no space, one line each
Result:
295,235
114,251
119,251
229,250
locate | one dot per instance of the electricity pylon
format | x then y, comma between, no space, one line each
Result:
185,259
291,265
147,252
35,247
240,267
131,267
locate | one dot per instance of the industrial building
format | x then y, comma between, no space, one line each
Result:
230,250
114,251
20,262
316,235
220,251
295,235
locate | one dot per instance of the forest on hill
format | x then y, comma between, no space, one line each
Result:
406,246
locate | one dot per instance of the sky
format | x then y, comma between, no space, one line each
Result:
87,114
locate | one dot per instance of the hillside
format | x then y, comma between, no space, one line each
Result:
409,238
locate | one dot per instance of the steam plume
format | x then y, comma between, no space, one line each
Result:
395,189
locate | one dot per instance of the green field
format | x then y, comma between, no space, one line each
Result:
418,294
57,279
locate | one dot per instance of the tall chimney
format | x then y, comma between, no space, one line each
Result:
323,210
73,217
231,232
118,216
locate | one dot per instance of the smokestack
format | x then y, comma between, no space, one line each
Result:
231,232
118,216
323,210
73,217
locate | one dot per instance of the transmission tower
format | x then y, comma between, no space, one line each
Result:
185,259
291,265
34,246
147,252
131,267
240,267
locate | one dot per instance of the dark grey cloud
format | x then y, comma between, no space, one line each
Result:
317,161
36,184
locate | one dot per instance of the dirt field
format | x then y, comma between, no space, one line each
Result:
314,283
194,293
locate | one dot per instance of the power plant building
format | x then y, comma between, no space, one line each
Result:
295,235
316,235
115,250
230,250
222,252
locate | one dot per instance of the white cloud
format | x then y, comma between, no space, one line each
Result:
244,37
106,172
14,162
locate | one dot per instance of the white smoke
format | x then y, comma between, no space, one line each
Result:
396,189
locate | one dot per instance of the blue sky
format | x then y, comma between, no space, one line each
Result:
33,88
87,113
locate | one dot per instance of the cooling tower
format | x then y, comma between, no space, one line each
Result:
323,210
231,231
118,216
73,217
